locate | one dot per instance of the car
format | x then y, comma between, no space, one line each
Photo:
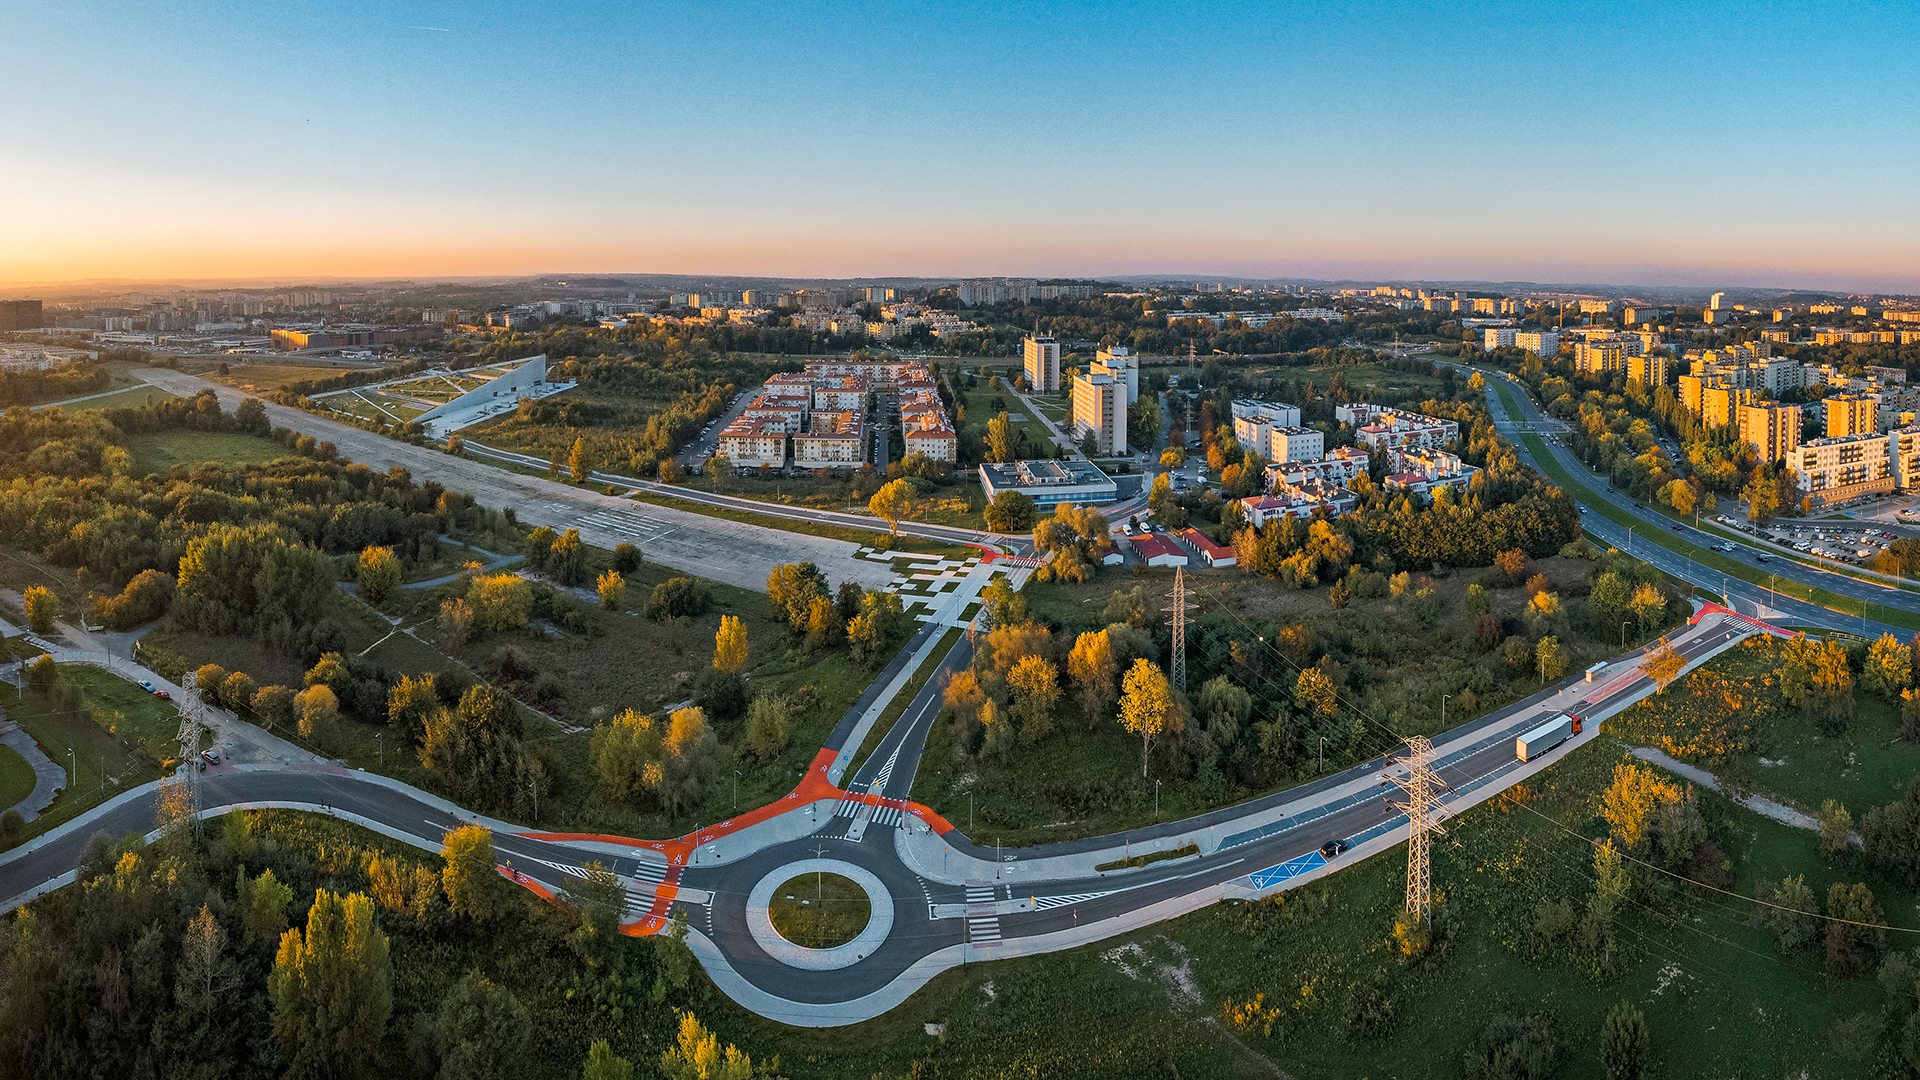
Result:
1637,506
147,686
1332,848
210,756
163,695
1763,558
1676,526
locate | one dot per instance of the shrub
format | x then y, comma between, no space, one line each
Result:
677,597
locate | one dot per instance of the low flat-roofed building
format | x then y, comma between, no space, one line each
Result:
750,443
1049,482
833,438
1156,550
1212,553
1391,429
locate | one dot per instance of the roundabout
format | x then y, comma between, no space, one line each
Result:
782,890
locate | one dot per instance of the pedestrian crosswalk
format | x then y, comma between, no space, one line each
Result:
983,919
624,523
882,815
650,873
1044,903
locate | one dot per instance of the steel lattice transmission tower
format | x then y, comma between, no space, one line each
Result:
190,743
1178,673
1424,813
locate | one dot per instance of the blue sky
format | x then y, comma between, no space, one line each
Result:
1668,143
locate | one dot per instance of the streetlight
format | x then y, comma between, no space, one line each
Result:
1623,632
1630,529
536,800
736,789
1323,753
1443,711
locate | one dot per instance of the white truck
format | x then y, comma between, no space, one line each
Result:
1547,736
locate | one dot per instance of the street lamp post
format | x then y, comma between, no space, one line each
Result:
1443,711
1630,529
1323,753
1623,632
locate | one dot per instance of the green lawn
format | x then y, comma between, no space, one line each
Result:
1714,560
160,451
16,777
905,697
819,911
102,763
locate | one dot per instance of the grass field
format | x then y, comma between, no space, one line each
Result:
16,777
102,763
263,378
159,452
819,911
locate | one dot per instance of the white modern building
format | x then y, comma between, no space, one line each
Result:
1100,407
1050,482
1118,363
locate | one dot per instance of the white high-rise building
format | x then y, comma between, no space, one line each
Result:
1119,364
1100,406
1042,363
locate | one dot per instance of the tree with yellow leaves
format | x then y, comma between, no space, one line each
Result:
1632,800
1092,667
1647,605
1038,684
613,589
1662,665
893,502
696,1055
1315,693
332,988
1146,707
730,645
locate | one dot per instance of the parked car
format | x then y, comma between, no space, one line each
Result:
163,695
1332,848
147,686
210,756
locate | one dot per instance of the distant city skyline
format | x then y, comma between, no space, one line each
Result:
1636,143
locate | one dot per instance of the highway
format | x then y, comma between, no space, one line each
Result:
1744,596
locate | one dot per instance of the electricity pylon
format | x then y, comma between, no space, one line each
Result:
1177,675
190,743
1424,812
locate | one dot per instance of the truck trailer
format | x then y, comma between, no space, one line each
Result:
1547,736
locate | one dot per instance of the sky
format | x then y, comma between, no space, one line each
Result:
1669,143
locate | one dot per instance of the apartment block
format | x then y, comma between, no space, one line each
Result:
1648,368
1423,471
1903,454
1120,364
1539,342
1497,338
1720,405
1342,466
1100,407
1836,469
1254,421
1771,427
1042,363
929,432
1852,414
1294,444
833,438
840,392
1392,429
1599,358
750,443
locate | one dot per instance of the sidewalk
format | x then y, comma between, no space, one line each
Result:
49,777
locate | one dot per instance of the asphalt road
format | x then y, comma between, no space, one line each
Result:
1778,562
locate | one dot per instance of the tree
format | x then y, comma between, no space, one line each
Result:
1679,495
1315,694
331,988
1856,923
1632,800
1794,914
236,690
768,718
471,874
456,621
1626,1047
612,588
263,906
42,608
1663,665
208,678
1092,667
500,602
696,1055
1888,668
1173,457
1610,595
604,1064
482,1030
690,759
456,445
719,469
1010,512
730,644
273,704
626,557
1513,1048
379,574
315,710
1836,830
893,502
625,755
1648,605
206,976
578,465
1146,706
1000,439
1037,682
1549,660
1476,603
1763,498
677,597
567,558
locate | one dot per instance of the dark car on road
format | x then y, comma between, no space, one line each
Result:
1332,848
